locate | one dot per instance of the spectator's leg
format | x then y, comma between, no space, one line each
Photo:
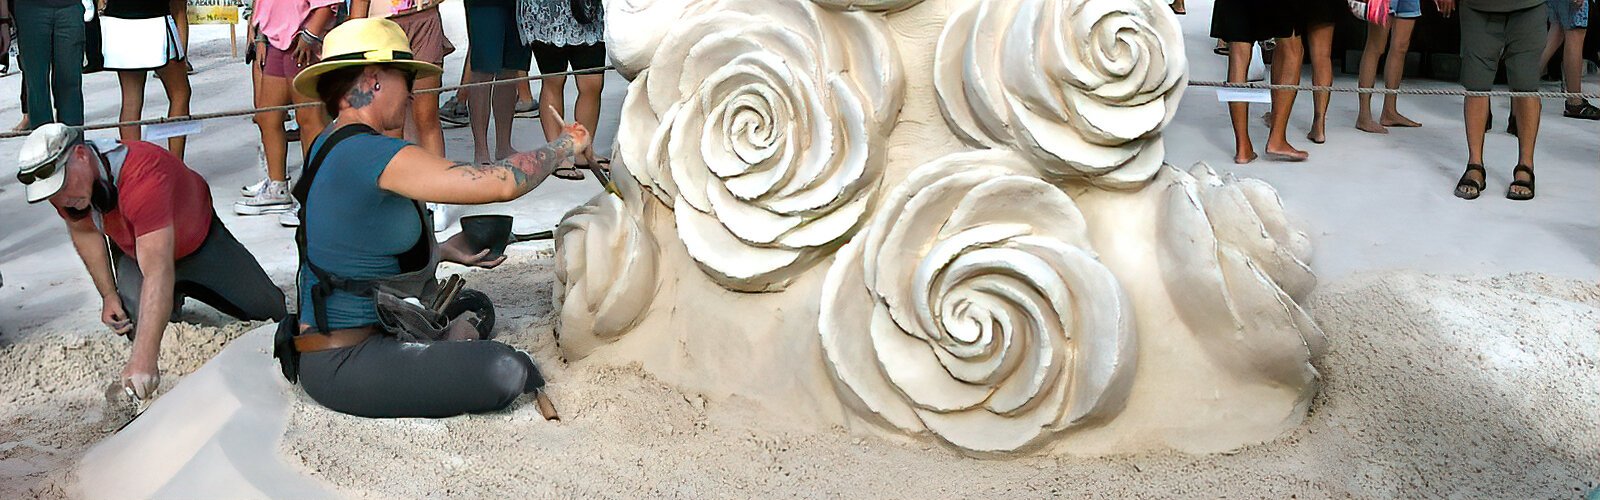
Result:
132,83
1552,43
1394,69
1239,112
66,79
175,80
1371,55
311,120
36,52
424,127
273,91
1572,63
478,116
552,96
1524,38
1290,55
587,109
505,110
1320,37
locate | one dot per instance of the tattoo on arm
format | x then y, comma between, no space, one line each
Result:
527,169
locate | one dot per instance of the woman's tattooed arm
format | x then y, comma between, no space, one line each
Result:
527,169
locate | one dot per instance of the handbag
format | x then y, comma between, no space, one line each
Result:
1372,11
94,60
587,11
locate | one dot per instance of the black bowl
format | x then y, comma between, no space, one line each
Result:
487,231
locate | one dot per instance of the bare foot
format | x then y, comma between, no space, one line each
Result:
1249,156
504,153
1367,125
1286,153
1318,133
1395,119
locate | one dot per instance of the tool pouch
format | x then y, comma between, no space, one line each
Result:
408,321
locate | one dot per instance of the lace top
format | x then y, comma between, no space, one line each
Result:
550,21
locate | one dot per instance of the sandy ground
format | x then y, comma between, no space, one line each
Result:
1477,386
1436,387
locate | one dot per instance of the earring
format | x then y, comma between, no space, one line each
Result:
377,86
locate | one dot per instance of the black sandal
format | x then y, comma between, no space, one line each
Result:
1468,182
1516,183
1582,111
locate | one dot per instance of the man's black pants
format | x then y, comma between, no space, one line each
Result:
221,273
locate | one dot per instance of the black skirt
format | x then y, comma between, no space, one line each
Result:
1253,20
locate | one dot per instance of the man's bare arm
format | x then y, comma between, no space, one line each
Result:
91,247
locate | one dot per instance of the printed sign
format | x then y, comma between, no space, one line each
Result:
213,12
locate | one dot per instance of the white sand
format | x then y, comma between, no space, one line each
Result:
1432,387
53,384
1435,386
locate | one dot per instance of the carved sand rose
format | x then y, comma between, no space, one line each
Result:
1236,271
972,307
634,29
605,268
872,5
762,125
1083,85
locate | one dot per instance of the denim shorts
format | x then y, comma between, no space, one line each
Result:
1406,9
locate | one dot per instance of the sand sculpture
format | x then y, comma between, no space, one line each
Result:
943,220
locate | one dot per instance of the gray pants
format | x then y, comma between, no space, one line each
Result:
221,273
384,377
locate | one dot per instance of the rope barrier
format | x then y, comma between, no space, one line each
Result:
287,107
1405,91
1193,83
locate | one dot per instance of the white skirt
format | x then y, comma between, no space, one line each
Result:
140,44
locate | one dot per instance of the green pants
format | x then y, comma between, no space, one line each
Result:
50,43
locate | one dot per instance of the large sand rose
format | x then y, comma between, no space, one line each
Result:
606,269
763,127
1236,270
1083,85
973,307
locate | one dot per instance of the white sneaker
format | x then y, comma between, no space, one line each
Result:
255,188
273,198
290,218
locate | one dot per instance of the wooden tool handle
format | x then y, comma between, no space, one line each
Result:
546,408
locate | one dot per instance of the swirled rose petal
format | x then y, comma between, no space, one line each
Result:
1222,266
992,324
767,119
1083,85
605,268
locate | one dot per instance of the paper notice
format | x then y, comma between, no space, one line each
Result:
1263,96
164,130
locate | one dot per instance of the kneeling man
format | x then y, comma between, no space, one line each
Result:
167,242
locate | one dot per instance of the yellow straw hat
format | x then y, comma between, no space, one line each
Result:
359,42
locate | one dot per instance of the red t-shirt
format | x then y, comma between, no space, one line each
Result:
155,190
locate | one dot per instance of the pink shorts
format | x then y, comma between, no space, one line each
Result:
278,63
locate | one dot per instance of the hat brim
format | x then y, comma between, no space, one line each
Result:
306,82
43,189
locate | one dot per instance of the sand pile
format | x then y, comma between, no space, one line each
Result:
1434,386
54,384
